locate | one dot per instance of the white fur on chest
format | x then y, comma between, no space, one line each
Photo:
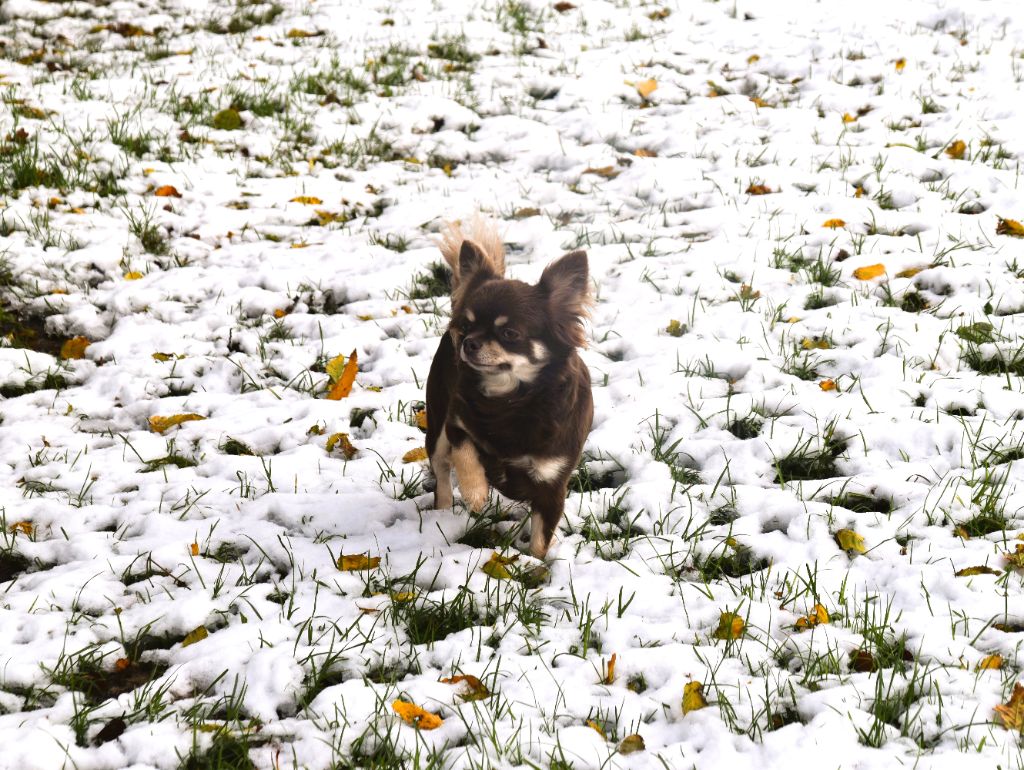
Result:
541,469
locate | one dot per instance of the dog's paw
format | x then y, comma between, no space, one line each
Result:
475,495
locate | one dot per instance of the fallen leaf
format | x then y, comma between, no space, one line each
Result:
74,347
1012,712
868,272
227,120
526,212
563,6
910,272
848,118
474,689
133,275
827,385
693,697
166,356
343,385
194,548
834,223
24,527
308,200
759,102
596,728
646,87
347,448
642,153
818,616
900,64
121,664
956,150
815,343
167,191
415,455
990,662
1016,559
862,661
280,313
421,419
730,626
976,333
609,676
674,328
608,172
849,540
413,715
1009,227
358,562
979,570
632,744
299,33
497,567
753,58
196,635
759,189
159,424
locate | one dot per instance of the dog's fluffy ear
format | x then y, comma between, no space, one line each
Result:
472,259
566,282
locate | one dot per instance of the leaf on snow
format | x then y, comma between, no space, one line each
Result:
956,149
632,744
357,562
979,570
497,567
347,448
849,540
415,455
834,223
646,87
167,191
473,688
818,616
990,662
309,200
730,626
74,347
413,715
343,385
1009,227
1012,712
196,635
693,697
868,272
609,675
159,424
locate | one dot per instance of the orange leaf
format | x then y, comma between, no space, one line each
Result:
956,149
415,455
609,676
413,715
848,118
642,153
646,87
1012,712
74,347
24,527
474,689
132,275
159,424
759,189
900,64
608,172
1009,227
596,728
990,662
194,548
309,200
167,191
358,562
827,385
121,664
421,419
343,386
730,626
834,223
868,272
347,447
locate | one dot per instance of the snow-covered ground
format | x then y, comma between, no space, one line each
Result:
803,228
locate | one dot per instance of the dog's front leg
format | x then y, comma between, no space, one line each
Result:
468,468
547,508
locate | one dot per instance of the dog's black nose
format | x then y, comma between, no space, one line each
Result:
471,345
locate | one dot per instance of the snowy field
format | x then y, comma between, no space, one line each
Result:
797,536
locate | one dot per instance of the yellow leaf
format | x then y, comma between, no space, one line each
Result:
421,419
358,562
280,313
496,566
166,356
343,385
827,385
347,448
403,596
753,58
413,715
642,153
474,689
759,189
632,744
194,548
674,328
309,200
910,272
1009,227
24,527
608,172
1012,712
956,150
415,455
834,223
609,676
159,424
815,343
196,635
868,272
979,570
990,662
596,728
758,101
132,275
818,616
74,347
730,626
1016,559
858,191
693,697
298,33
167,191
646,87
900,64
849,540
848,118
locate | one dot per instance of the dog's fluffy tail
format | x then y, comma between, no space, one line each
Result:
484,233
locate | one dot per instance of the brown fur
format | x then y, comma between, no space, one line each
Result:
519,425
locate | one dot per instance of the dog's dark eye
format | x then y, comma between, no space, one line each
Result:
510,335
463,325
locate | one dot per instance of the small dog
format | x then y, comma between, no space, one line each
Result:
508,399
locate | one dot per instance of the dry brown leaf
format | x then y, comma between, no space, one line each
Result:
159,424
24,527
413,715
342,440
632,744
343,385
1012,712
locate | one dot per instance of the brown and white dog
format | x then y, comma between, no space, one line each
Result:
508,399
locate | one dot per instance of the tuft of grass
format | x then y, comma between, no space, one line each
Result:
232,446
805,462
436,282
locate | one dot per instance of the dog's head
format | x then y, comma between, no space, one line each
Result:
509,331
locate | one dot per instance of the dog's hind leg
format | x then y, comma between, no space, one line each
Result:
547,512
441,464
